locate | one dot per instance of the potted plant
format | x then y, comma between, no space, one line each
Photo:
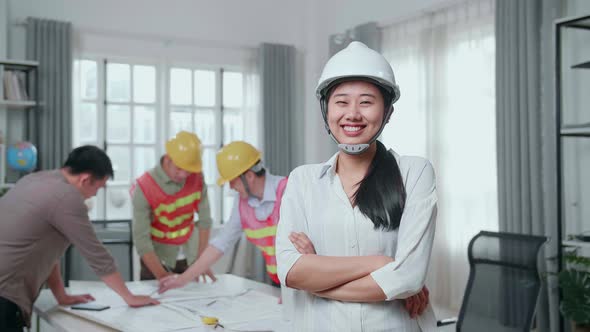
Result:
574,282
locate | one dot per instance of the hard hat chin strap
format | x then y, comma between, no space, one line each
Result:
246,186
256,168
352,149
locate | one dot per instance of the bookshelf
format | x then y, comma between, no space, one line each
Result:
18,92
572,133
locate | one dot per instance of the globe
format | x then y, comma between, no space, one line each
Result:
22,156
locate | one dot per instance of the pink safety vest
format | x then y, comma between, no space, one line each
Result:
262,233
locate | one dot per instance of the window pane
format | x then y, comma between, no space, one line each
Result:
87,128
144,125
205,88
121,164
180,120
88,79
233,126
209,166
118,203
118,82
180,86
118,124
145,159
205,126
232,89
144,84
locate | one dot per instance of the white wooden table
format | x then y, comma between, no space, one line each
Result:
46,306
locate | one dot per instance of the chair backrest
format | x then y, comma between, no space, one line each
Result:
504,283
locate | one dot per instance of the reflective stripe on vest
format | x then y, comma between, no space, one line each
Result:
262,233
178,203
173,214
272,269
269,250
170,235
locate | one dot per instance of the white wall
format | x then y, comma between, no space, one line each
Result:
3,25
328,17
228,26
217,32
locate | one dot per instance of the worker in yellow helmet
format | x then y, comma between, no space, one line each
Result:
256,212
166,201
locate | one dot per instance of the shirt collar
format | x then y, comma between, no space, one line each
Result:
161,174
329,165
270,193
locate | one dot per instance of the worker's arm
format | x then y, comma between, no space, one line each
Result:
203,240
116,283
152,262
55,283
204,225
142,219
202,265
205,221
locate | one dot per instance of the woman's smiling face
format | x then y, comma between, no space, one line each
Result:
355,112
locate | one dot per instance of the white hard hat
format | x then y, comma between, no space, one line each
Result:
357,60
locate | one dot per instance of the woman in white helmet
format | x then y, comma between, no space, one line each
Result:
356,232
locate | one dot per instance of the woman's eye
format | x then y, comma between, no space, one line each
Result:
341,102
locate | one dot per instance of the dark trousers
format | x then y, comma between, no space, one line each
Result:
146,274
11,318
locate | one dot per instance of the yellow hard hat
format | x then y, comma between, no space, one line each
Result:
234,159
185,151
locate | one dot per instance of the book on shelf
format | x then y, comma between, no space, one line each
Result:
15,85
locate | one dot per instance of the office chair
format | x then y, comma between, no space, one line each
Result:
503,285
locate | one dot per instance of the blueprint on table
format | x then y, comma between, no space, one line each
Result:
181,309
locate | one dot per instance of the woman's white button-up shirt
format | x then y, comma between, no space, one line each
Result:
315,203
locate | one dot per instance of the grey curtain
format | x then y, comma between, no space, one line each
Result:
49,126
368,33
277,73
277,82
525,138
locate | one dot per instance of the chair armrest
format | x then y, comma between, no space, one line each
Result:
446,321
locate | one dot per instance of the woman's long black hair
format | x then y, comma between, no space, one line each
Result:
381,194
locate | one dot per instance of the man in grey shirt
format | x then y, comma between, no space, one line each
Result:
40,217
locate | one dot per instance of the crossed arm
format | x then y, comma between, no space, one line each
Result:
343,278
331,276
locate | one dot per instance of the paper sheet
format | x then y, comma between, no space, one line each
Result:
149,319
181,309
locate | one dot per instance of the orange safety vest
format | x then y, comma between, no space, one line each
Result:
173,214
262,233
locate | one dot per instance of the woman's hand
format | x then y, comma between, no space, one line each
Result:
416,304
302,243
